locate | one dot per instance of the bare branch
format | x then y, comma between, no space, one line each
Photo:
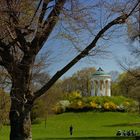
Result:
43,10
134,8
84,53
48,26
6,57
35,13
119,20
44,7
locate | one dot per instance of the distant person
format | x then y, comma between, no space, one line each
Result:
128,133
71,130
119,133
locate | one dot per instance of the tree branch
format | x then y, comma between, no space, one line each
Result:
44,7
6,57
48,26
119,20
43,11
84,53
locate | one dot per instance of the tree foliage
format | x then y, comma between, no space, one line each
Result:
127,84
79,81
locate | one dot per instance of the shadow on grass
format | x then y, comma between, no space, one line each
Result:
91,138
124,124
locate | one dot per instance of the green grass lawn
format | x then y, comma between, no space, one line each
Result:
86,124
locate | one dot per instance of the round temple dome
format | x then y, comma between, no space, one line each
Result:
100,72
100,83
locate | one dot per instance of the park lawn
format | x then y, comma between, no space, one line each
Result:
86,124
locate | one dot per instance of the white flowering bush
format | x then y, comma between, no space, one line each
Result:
61,106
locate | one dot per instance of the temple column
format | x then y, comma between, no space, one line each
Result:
101,94
93,88
103,87
98,88
108,88
100,83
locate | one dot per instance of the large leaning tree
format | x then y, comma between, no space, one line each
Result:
25,27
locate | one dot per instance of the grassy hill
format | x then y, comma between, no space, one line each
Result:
86,124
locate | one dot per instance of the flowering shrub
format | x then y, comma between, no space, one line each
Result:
61,106
79,103
75,102
64,103
75,105
110,106
121,108
75,94
93,104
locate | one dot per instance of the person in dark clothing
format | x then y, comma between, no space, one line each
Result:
71,130
119,133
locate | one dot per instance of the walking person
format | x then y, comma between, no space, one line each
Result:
71,130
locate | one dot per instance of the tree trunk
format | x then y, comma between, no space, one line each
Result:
20,120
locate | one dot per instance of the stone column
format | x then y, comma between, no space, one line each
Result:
93,88
103,87
109,90
98,88
106,86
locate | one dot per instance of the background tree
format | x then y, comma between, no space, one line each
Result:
54,94
128,85
25,28
79,81
5,79
4,108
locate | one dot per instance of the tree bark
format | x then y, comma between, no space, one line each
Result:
20,126
21,104
20,120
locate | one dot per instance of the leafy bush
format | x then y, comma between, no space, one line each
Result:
74,95
75,103
37,121
110,106
93,104
38,110
61,106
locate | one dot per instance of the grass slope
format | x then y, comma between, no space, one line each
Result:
86,124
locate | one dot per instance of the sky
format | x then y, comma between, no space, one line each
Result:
118,49
62,51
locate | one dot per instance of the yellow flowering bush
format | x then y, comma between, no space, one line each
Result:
106,106
78,104
110,106
76,94
75,102
93,104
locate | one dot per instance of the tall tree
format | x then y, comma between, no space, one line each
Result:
25,27
79,81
